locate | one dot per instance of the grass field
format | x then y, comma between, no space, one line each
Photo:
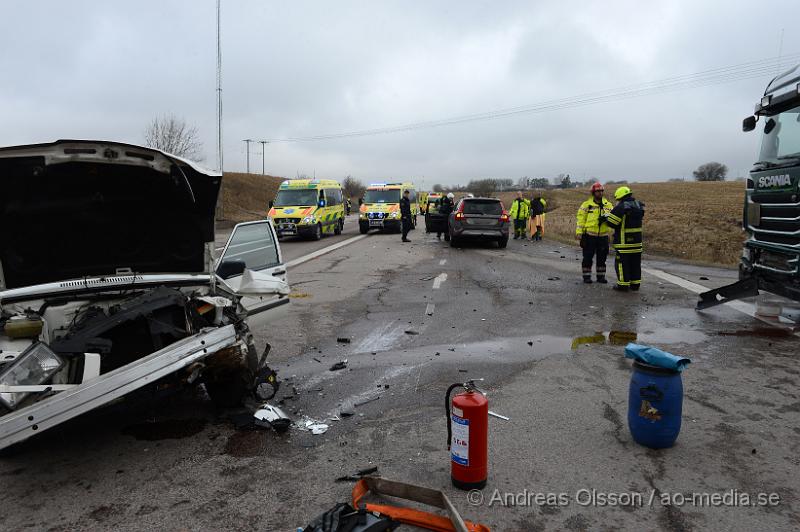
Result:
694,221
246,197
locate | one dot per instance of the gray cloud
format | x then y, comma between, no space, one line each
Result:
103,70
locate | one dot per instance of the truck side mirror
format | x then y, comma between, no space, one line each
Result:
749,124
271,203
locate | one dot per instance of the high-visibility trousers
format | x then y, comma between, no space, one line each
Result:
629,269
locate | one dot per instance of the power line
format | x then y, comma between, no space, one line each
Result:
749,70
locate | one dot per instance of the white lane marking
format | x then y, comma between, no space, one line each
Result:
742,306
442,277
323,251
442,262
429,309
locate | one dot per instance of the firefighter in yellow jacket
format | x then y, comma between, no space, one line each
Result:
520,209
592,231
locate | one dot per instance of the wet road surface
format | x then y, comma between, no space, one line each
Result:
410,319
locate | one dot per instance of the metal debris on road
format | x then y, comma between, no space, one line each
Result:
411,332
343,340
499,416
339,365
270,416
355,477
312,425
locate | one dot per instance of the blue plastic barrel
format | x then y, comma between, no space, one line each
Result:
655,402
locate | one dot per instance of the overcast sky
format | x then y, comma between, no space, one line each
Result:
99,69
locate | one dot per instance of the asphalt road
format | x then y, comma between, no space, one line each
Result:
417,318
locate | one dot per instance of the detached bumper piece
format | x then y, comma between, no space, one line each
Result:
47,413
744,288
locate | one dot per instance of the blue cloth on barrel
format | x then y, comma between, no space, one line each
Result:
655,357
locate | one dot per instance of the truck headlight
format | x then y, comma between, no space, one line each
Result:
33,366
393,214
309,220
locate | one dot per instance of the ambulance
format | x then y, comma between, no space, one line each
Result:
381,207
308,208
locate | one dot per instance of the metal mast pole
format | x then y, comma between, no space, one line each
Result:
219,87
263,150
247,142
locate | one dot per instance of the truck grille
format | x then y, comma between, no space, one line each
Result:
779,220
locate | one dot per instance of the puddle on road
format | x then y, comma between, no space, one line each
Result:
168,429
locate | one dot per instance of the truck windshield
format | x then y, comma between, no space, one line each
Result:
783,141
296,198
382,196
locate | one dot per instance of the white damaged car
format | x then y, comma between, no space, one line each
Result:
109,282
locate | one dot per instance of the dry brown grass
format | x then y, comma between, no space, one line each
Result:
246,197
694,221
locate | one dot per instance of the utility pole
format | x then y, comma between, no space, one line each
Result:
263,150
247,142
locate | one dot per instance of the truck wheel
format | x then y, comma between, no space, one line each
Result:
339,226
363,229
317,232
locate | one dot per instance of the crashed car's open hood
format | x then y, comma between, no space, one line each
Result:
70,209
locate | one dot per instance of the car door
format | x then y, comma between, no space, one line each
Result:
254,246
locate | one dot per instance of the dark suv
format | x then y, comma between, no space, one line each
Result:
479,219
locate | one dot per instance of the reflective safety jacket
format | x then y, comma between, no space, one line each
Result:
626,219
592,218
520,209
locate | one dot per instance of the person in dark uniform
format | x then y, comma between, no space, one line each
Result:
626,220
405,214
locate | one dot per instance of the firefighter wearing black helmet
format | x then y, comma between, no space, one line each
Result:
626,219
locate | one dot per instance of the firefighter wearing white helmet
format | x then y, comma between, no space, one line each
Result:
626,220
446,207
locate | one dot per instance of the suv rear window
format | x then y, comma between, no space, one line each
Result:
492,207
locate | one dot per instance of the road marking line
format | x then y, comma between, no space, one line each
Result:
442,262
429,309
442,277
748,309
323,251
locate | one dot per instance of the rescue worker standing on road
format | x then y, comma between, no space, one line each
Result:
626,219
592,232
537,218
405,214
519,213
445,208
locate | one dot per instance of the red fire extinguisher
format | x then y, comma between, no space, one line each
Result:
468,436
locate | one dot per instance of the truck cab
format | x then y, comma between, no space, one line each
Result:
771,215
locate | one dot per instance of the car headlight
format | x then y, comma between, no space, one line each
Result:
33,366
309,220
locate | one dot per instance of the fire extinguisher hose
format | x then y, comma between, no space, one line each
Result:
447,411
